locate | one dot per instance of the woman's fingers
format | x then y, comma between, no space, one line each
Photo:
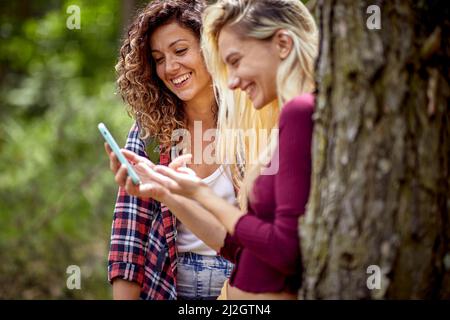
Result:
129,155
121,175
107,148
157,177
187,170
185,183
114,163
169,173
134,158
153,190
138,190
142,173
131,188
180,161
146,190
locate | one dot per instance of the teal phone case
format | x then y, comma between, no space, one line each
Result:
115,148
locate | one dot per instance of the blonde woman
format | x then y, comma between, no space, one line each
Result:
263,51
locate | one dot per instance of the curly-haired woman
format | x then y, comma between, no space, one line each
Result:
163,78
265,50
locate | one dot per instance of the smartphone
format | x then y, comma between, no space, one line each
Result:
115,148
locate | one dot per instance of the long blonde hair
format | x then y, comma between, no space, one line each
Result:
258,19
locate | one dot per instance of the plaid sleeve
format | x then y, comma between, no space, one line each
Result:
130,226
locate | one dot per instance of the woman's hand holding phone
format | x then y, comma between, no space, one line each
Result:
136,174
146,189
115,149
115,165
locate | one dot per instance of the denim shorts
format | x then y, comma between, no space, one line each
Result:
201,277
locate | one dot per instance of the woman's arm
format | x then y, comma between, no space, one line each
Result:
227,214
185,182
125,290
210,228
198,220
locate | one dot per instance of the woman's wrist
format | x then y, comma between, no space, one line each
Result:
201,192
169,199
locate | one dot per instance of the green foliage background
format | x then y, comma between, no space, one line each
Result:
56,191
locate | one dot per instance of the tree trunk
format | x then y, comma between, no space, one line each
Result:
380,190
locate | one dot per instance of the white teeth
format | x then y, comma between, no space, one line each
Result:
181,79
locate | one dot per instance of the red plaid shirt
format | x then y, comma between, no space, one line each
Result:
143,235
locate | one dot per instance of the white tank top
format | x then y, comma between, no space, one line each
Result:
221,184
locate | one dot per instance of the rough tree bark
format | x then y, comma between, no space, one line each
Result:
381,157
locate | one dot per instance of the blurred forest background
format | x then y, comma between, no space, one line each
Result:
56,191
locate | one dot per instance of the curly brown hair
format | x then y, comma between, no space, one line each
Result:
150,102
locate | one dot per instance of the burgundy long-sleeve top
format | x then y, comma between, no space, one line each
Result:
265,245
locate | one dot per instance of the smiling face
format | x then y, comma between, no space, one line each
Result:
179,62
252,65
